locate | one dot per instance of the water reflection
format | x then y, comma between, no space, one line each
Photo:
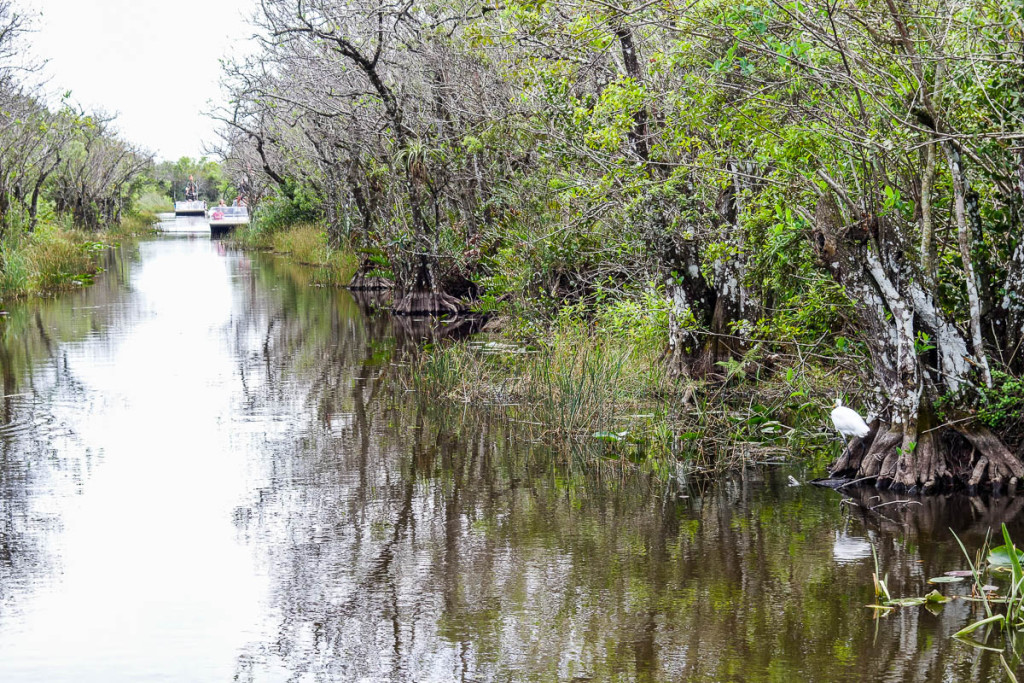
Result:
212,470
849,549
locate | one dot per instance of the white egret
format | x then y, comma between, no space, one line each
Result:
848,422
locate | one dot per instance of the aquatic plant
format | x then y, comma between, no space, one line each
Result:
609,399
1002,558
305,243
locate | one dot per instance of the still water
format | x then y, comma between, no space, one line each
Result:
212,471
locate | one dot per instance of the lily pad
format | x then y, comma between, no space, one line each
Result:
907,602
966,573
946,579
1000,556
936,597
610,436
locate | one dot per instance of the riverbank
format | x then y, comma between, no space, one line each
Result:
595,384
56,257
592,391
304,243
265,424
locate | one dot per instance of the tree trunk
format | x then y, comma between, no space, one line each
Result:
928,250
966,254
1013,300
689,300
732,301
907,448
631,60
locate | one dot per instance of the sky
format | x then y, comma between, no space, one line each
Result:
154,63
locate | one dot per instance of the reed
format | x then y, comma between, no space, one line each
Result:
135,224
56,256
1008,558
305,243
594,395
50,259
154,202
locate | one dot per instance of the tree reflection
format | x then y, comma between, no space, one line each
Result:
404,541
39,451
407,542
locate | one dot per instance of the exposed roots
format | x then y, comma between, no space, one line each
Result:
428,304
942,459
363,281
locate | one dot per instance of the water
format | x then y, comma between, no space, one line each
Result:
212,471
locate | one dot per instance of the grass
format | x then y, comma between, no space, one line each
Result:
49,259
594,394
1008,558
154,202
56,256
133,225
1005,611
305,243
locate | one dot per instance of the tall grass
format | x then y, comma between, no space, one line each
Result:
16,274
307,244
133,225
593,393
154,202
56,256
51,258
584,396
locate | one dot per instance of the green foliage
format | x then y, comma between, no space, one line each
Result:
641,319
1003,403
169,178
152,200
1005,557
50,259
280,211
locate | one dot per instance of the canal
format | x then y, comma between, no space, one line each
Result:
211,470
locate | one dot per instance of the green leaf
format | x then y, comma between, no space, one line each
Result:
978,624
1000,556
936,597
1014,556
946,579
906,602
610,436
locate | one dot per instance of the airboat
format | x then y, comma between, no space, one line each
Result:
190,208
224,218
193,205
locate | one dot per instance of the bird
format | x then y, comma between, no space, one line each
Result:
848,422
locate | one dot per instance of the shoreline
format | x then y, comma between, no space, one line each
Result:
55,258
598,389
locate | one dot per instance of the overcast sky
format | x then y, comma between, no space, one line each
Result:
153,62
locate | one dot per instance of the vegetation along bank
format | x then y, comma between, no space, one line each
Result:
711,209
69,184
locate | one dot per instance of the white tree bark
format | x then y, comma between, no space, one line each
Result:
965,240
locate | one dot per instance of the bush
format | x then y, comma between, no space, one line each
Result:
279,212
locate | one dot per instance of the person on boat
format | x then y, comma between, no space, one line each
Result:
222,202
191,193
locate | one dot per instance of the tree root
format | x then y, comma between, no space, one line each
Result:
946,459
428,304
363,281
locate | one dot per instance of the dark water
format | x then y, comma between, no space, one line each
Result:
212,471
